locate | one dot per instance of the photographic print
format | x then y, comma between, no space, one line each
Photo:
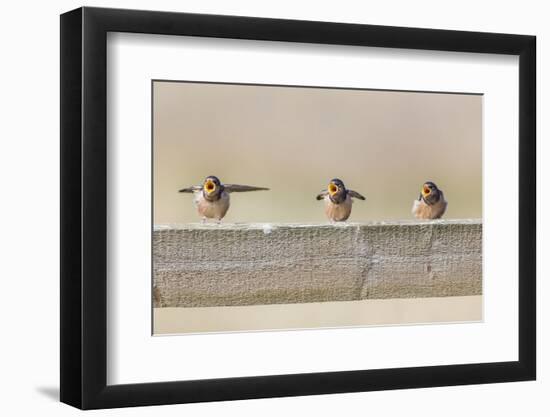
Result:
299,207
334,207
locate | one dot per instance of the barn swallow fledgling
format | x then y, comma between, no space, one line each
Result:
212,197
338,200
431,203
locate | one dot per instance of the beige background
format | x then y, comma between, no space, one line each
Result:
312,315
294,140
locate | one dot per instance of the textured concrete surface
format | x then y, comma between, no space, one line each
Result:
198,265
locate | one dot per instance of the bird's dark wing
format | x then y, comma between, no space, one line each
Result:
236,188
355,194
322,195
192,189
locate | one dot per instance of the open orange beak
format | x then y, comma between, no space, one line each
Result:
426,191
209,186
332,189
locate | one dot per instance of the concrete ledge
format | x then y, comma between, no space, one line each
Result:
198,265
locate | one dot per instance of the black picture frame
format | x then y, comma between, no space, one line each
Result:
84,207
